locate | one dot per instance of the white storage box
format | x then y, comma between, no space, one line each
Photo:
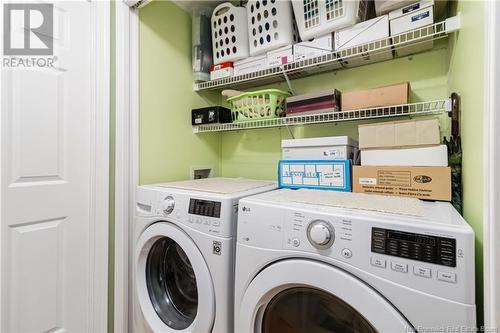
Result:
317,18
360,34
315,47
281,56
385,6
326,148
412,17
250,65
221,73
229,33
435,156
270,25
315,174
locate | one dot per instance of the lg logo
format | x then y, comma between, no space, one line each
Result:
28,29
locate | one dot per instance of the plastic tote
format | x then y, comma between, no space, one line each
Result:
262,104
316,18
229,33
270,25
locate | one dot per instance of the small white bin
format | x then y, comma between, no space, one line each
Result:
229,33
270,25
326,148
319,17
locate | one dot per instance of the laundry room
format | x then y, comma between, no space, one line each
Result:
237,166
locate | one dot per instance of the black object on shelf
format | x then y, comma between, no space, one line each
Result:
210,115
454,144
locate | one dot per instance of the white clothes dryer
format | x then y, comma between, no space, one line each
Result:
312,261
183,264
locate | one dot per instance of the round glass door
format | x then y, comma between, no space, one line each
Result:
306,310
171,284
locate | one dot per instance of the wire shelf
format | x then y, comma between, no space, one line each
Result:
336,60
413,109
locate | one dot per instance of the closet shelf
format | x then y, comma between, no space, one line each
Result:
348,58
413,109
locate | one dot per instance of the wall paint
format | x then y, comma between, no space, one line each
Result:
466,77
168,147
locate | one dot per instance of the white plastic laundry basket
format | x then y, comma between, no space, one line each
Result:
316,18
270,25
229,33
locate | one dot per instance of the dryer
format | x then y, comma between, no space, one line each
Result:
183,264
312,261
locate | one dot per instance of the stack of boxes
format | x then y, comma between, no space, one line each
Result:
403,158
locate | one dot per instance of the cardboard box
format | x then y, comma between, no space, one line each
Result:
313,103
281,56
400,134
250,65
326,148
313,48
430,183
332,175
421,156
362,33
383,96
412,17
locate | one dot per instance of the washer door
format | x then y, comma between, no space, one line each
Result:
173,282
303,296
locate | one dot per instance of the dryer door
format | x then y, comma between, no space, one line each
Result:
173,282
303,296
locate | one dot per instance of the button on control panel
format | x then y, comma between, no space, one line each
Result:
422,271
399,267
447,277
377,262
346,253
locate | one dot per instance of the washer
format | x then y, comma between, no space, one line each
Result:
184,243
303,265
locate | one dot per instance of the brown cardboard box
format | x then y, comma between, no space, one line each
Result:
383,96
400,134
431,183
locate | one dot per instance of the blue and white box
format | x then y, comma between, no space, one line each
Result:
332,175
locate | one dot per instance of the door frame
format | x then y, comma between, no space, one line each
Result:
126,156
99,170
491,161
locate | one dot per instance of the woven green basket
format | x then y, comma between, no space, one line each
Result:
262,104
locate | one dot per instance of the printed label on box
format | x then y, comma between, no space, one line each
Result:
367,181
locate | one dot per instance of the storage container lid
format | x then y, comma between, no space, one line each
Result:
410,9
316,142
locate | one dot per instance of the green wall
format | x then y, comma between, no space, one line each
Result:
466,78
168,147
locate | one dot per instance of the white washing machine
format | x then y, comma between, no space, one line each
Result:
309,261
184,254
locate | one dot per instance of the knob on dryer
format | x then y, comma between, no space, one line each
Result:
167,205
320,234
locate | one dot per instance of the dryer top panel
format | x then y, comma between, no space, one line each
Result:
219,185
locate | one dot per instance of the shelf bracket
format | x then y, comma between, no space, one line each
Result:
287,80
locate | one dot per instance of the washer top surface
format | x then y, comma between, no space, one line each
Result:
218,185
375,205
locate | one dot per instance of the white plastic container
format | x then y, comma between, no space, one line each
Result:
270,25
319,17
229,33
326,148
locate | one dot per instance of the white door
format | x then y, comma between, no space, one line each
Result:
301,295
49,182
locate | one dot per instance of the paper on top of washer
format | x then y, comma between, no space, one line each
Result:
218,185
371,202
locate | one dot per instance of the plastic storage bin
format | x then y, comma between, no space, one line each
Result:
229,33
270,25
202,43
320,17
262,104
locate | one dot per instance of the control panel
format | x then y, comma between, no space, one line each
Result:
204,208
426,248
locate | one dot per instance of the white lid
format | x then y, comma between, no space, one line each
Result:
408,10
315,142
218,185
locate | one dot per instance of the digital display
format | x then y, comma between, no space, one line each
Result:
204,208
431,249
